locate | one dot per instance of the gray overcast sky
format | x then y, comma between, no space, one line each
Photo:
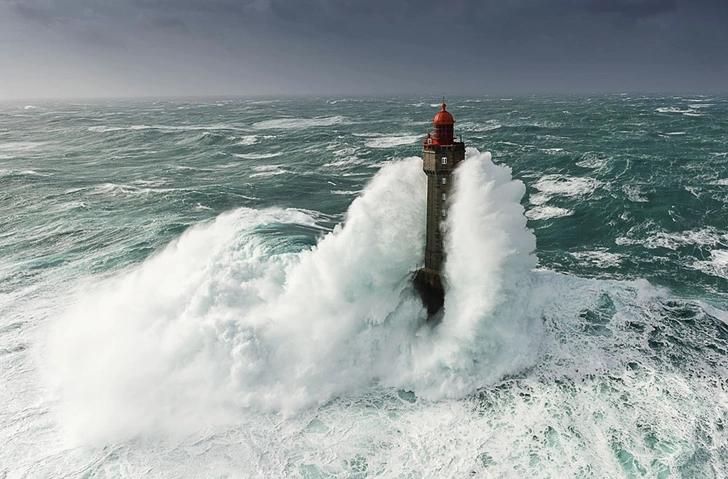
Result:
87,48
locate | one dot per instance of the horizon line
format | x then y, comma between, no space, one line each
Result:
343,96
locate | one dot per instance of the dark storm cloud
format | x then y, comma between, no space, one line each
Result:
633,8
164,23
360,12
386,45
32,13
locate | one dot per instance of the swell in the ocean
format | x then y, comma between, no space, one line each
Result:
224,321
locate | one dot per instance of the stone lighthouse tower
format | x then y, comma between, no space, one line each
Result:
441,154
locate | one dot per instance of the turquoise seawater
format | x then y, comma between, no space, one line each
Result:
221,288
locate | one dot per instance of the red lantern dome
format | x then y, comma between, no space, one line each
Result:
443,117
444,132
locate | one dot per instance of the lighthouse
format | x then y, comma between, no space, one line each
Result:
441,154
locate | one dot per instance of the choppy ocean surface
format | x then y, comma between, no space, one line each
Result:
222,289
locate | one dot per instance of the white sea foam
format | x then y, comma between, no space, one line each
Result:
345,192
114,189
566,185
20,146
165,128
591,161
601,258
672,109
346,162
150,183
256,156
5,172
547,212
716,266
392,141
298,123
491,125
338,151
105,129
552,151
268,170
702,237
346,157
635,193
539,198
247,140
470,126
562,185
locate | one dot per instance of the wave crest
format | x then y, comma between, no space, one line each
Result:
228,319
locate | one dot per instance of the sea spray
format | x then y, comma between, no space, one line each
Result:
346,302
152,348
490,326
489,248
219,322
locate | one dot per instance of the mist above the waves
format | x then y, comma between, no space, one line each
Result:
226,320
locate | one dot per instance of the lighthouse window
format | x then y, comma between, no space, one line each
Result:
444,181
444,160
444,212
444,196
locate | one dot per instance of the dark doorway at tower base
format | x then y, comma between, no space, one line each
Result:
429,284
